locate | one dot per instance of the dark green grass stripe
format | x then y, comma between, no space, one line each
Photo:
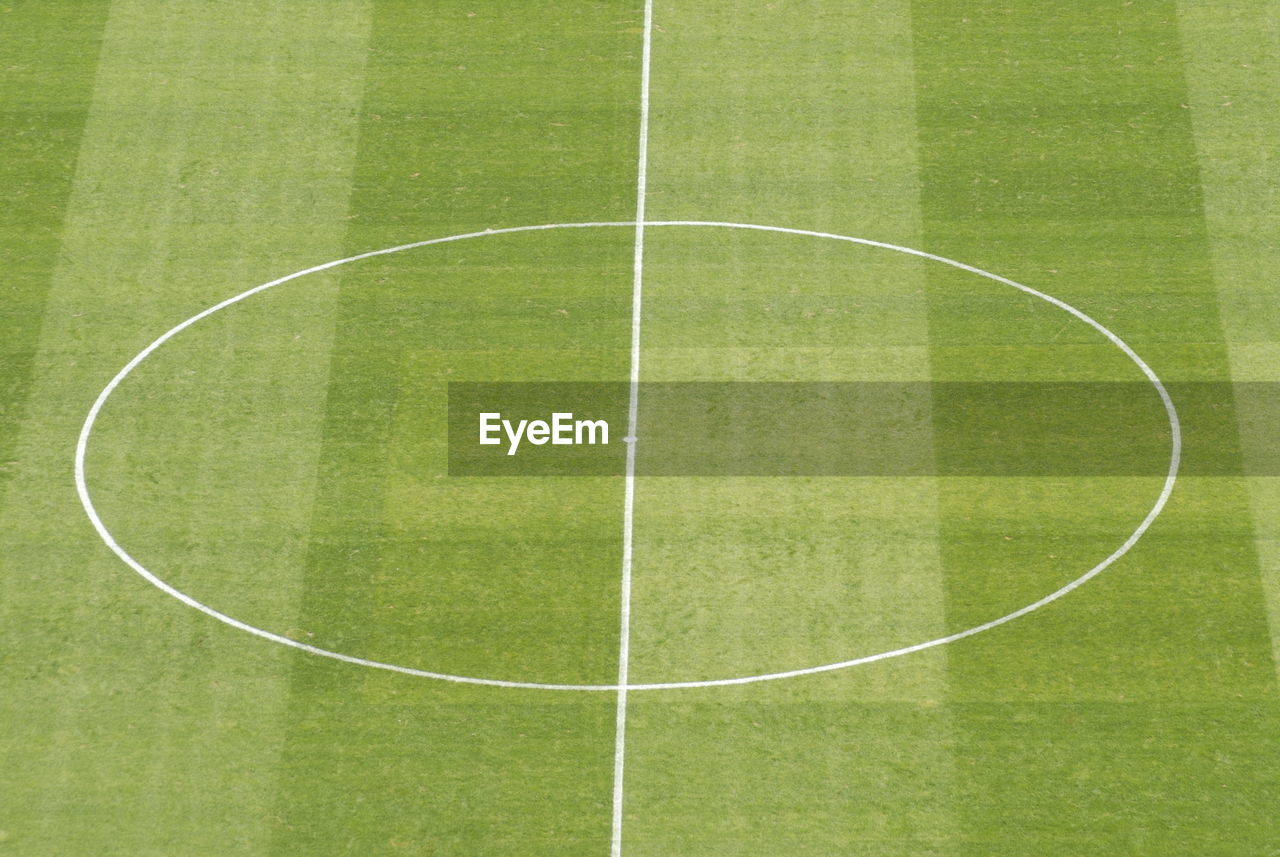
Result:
1057,149
48,56
1038,199
474,116
388,768
1098,779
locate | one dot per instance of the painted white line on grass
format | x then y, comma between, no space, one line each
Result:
633,410
626,686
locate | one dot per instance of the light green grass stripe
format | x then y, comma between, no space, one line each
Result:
217,155
773,116
1233,78
796,115
47,60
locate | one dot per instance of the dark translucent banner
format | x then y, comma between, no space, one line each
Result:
862,429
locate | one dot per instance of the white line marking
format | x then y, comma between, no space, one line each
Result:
633,410
86,430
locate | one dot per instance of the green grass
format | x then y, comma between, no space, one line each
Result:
285,460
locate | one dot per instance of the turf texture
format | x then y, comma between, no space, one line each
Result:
285,461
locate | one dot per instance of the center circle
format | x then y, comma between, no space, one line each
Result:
153,578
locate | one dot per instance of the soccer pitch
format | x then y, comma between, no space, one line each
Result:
257,255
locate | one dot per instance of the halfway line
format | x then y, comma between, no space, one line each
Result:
628,505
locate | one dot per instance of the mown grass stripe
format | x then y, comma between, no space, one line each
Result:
215,154
1057,150
1233,67
49,55
474,117
802,117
